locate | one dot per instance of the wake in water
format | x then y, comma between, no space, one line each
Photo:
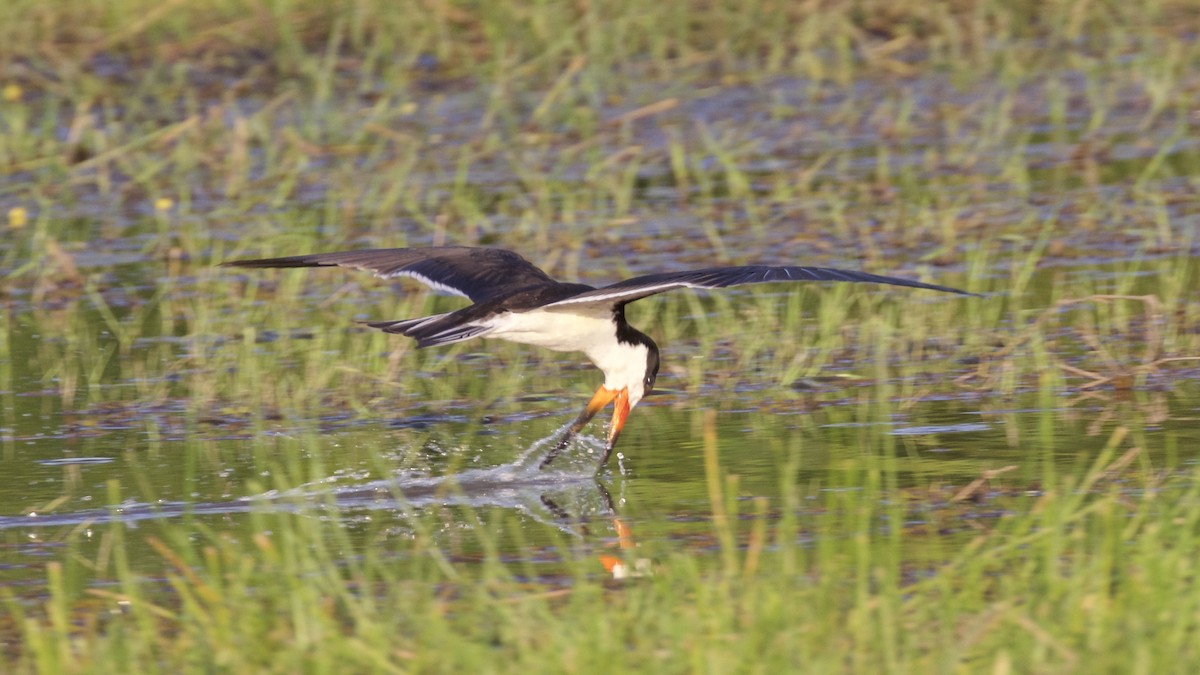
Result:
518,485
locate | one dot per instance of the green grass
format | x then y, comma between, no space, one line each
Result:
1037,153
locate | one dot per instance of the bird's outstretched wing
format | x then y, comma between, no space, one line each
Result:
476,273
719,277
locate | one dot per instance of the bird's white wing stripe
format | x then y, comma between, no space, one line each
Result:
624,292
424,322
435,285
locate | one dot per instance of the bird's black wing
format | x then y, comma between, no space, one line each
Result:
476,273
719,277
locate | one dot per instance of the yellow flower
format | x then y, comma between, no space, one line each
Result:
163,204
17,217
11,92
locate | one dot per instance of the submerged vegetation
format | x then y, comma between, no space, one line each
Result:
210,469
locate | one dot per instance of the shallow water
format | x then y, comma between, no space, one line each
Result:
62,470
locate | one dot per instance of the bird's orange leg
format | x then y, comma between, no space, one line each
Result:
601,398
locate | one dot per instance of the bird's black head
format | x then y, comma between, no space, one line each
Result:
632,336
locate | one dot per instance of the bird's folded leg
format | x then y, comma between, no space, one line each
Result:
601,398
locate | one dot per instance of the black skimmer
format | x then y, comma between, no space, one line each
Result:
516,301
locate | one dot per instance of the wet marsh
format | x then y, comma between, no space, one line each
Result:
208,468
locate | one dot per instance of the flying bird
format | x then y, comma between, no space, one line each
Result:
514,300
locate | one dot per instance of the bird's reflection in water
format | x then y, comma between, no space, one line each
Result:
618,566
525,485
537,494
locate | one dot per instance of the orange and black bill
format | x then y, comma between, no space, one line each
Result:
620,400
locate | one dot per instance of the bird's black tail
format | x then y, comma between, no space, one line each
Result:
431,331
